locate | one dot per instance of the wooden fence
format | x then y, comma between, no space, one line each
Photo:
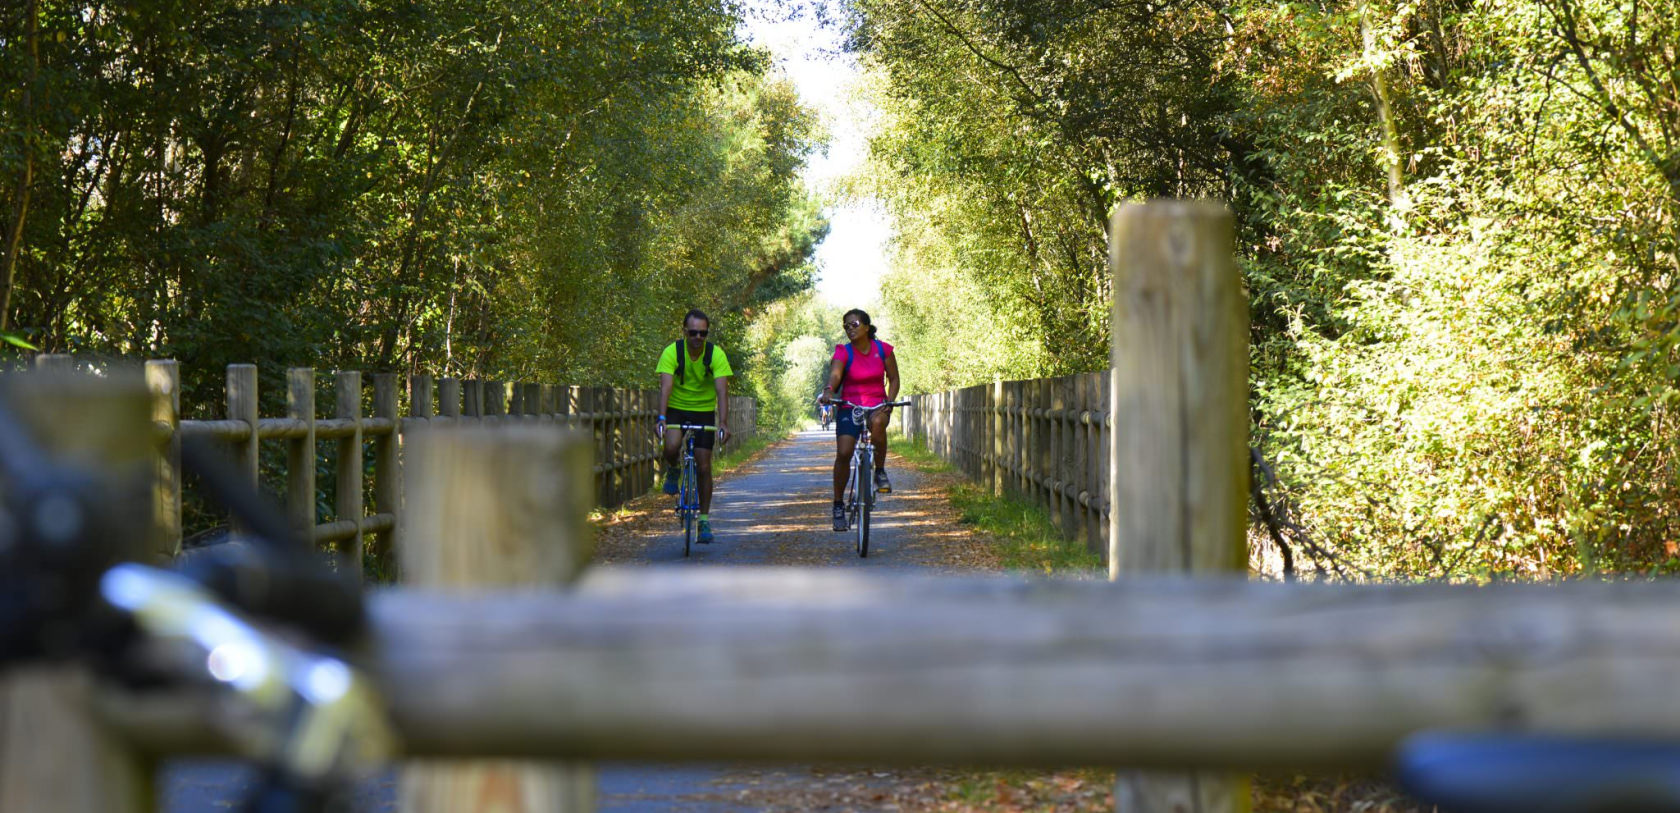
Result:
367,439
1045,440
1143,671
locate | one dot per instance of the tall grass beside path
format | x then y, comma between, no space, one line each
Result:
1025,537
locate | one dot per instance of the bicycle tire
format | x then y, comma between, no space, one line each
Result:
852,497
866,501
690,505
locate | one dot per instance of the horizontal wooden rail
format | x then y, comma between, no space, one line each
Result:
621,422
345,529
799,665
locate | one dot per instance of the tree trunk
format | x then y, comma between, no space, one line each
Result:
14,235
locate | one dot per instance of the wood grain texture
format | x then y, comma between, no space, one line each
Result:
498,506
300,451
57,758
347,392
163,380
242,405
808,664
1178,459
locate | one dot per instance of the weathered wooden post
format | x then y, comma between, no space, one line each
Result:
56,756
163,380
1178,462
420,397
387,486
473,391
449,398
497,506
535,403
242,405
995,420
300,451
347,389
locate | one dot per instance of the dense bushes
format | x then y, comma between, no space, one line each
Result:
1457,223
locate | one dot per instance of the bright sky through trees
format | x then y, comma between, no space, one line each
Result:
853,258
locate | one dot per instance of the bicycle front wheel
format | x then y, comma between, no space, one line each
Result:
690,506
865,501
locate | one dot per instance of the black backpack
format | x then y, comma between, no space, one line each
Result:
682,358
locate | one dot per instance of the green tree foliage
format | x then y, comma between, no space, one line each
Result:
478,187
1459,224
791,342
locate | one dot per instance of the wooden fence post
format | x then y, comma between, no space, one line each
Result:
615,443
386,471
1067,510
1178,462
472,391
163,379
242,406
592,416
56,756
449,397
55,362
347,389
300,452
1096,462
534,403
420,397
504,506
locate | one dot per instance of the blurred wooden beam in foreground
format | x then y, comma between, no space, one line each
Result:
803,665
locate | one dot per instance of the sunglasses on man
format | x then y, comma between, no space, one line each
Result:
699,334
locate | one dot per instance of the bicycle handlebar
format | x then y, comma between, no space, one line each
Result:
876,408
309,717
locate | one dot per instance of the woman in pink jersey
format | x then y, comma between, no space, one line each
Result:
870,378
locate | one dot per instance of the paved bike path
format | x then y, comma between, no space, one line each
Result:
772,511
776,511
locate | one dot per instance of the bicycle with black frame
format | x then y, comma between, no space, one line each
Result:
860,492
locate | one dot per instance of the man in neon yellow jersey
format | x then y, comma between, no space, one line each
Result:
694,389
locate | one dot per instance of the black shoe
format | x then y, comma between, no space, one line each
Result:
840,518
882,484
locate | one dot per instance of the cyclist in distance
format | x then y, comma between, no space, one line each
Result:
865,372
693,389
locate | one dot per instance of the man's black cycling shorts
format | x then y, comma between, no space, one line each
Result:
702,440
